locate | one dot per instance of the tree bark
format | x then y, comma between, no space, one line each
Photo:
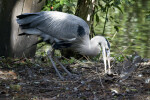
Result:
12,45
85,10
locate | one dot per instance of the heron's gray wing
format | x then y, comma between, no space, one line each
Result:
62,25
57,24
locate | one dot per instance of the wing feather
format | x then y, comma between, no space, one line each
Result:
58,25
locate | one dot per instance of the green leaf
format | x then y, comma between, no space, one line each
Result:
127,2
47,8
117,2
97,18
96,7
116,22
57,5
119,9
116,28
70,4
111,17
147,17
61,2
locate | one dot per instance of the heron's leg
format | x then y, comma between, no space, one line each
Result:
50,54
63,67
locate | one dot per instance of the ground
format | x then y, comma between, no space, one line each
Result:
27,79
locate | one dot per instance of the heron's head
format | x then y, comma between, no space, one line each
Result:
103,43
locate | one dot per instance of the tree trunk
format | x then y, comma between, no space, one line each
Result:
85,10
12,45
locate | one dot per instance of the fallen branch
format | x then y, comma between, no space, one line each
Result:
133,66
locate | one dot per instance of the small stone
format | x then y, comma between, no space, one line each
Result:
140,75
67,88
147,80
75,89
82,82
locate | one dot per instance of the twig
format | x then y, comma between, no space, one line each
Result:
99,78
121,52
114,35
134,65
105,20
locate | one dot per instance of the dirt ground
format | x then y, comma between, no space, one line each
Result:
22,79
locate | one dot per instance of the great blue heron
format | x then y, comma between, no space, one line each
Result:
63,31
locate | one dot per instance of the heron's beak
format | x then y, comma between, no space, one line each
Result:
106,57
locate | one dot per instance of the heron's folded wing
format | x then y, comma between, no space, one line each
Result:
60,25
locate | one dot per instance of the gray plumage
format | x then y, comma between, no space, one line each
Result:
63,30
54,27
53,23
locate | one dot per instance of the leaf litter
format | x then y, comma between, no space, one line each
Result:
27,79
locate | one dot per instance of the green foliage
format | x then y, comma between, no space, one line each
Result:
104,6
119,58
116,28
10,63
69,61
59,5
15,87
147,17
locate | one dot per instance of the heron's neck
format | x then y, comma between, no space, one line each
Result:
89,47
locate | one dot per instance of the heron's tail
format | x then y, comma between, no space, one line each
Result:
27,21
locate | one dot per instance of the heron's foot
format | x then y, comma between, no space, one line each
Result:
108,72
57,71
62,66
68,72
73,76
61,77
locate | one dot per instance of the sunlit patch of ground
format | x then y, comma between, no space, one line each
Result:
26,79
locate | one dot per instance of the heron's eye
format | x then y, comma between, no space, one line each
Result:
107,49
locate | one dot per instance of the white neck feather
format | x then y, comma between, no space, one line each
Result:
89,47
